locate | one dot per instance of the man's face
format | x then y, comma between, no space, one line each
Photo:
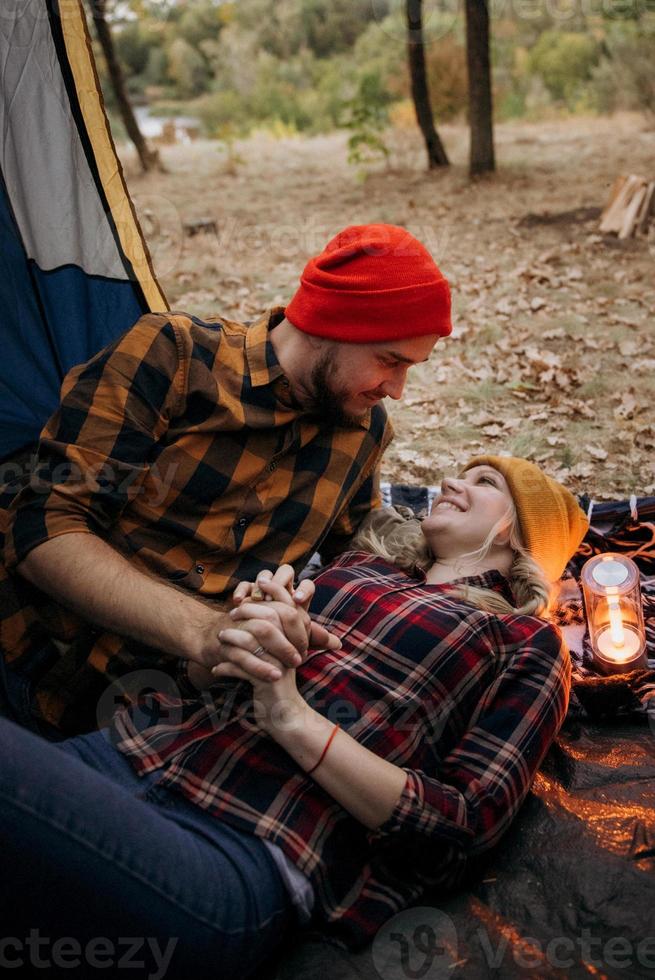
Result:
348,379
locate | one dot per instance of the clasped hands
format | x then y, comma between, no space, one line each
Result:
268,640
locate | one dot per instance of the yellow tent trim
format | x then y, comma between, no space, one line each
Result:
80,58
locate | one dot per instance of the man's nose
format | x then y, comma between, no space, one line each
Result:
394,386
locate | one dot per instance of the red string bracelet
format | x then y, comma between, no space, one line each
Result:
327,746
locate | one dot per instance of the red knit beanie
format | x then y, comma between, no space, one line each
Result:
372,283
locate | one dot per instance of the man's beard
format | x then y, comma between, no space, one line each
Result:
326,400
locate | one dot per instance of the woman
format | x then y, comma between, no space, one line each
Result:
333,793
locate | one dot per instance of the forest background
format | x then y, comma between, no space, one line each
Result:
307,124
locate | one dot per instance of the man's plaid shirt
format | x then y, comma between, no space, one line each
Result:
466,702
180,445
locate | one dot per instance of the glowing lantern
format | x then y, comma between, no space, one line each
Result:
614,613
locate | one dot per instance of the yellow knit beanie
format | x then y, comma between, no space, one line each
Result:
551,522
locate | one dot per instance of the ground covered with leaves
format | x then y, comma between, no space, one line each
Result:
553,350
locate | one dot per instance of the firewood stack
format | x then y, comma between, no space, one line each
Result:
631,207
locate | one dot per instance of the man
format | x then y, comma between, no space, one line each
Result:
188,456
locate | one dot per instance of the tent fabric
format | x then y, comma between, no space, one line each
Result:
75,271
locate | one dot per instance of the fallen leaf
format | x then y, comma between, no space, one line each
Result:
583,470
597,452
504,307
627,407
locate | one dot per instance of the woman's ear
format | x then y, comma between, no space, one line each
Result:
505,532
503,537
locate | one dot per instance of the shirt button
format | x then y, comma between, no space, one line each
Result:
242,521
200,568
271,467
285,383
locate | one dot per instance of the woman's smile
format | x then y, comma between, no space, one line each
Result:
449,504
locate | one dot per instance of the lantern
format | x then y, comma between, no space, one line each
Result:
616,621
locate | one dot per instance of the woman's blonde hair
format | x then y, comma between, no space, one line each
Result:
395,535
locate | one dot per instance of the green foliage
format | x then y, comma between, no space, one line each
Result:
219,113
302,95
156,71
511,105
382,50
187,69
200,22
625,77
312,65
324,27
366,115
332,26
133,45
564,61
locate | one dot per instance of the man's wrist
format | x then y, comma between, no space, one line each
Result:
197,633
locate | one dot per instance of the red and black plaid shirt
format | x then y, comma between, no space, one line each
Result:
466,702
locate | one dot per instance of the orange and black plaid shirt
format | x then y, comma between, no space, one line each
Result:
180,445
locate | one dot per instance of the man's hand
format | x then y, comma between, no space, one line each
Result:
279,624
261,629
91,578
319,637
277,703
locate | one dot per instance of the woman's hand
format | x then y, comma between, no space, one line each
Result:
261,632
319,637
277,702
279,625
279,609
256,634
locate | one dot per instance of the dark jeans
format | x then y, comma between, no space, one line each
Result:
16,697
102,869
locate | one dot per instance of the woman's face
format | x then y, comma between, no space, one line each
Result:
468,507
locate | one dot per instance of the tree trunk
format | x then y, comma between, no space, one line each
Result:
149,158
482,159
420,92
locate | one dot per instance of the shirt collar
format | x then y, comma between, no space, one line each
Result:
264,366
493,579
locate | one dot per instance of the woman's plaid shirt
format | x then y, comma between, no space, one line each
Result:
179,444
466,702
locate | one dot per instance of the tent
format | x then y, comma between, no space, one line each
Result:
74,267
571,890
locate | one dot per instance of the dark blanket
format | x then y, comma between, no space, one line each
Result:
570,890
